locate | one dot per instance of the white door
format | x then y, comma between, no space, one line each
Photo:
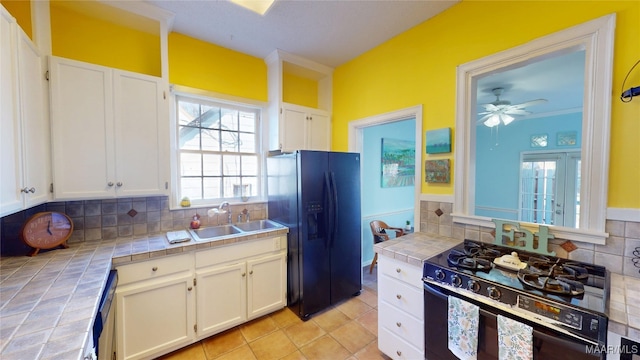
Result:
221,299
10,155
140,135
266,285
319,132
155,317
293,130
82,130
35,123
550,188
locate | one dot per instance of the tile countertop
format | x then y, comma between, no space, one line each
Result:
624,306
48,302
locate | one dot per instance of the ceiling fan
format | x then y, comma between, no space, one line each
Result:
501,111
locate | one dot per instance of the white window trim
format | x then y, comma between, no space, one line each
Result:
232,101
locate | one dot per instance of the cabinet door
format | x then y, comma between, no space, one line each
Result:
221,299
82,130
267,285
141,128
319,132
11,171
293,130
155,317
35,123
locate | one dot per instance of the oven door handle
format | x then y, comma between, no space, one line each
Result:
560,340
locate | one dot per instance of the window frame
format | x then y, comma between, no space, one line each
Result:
178,93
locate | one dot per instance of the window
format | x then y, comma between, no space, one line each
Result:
218,150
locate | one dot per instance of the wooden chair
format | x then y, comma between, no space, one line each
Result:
378,229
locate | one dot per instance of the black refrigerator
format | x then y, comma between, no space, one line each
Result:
317,195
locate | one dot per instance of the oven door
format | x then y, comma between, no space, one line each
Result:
547,344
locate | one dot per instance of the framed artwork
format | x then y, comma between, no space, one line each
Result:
437,171
438,141
567,138
540,140
398,162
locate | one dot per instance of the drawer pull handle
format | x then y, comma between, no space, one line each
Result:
190,288
399,352
398,324
251,272
155,268
398,270
399,296
244,274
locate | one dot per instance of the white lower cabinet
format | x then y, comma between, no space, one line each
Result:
239,283
155,302
400,309
222,297
169,302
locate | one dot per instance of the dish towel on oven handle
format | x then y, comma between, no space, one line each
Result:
515,340
462,319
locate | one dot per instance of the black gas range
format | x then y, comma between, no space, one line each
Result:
565,301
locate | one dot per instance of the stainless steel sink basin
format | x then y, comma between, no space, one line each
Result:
209,233
257,225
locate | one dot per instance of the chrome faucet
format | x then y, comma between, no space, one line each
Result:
224,208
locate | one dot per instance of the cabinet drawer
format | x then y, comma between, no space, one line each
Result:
401,271
402,296
397,348
154,268
401,324
239,251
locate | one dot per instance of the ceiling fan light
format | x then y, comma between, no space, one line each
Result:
506,119
492,121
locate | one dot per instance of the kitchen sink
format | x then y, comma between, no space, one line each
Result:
257,225
209,233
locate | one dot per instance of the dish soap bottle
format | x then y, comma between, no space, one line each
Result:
195,223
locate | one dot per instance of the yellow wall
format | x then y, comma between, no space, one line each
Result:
82,37
419,67
206,66
299,90
21,10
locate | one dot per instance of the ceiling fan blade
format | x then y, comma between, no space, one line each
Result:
517,112
484,118
490,107
530,103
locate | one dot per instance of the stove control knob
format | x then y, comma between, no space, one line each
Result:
473,286
494,293
440,275
456,281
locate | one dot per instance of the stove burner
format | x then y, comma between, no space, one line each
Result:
466,261
557,278
473,257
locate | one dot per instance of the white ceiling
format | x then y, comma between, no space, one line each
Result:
332,32
327,32
558,78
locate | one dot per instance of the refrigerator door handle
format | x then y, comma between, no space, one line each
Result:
328,211
334,194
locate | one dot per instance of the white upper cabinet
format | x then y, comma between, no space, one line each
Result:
24,122
292,126
109,130
304,128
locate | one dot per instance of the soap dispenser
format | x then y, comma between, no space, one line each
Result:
195,222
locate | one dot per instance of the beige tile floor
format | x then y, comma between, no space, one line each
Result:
348,330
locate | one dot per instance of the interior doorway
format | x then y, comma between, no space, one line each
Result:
392,204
